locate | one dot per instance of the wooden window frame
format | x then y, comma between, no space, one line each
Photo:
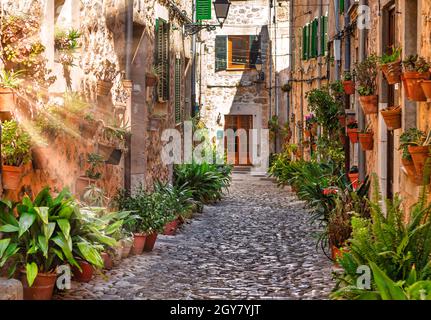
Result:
177,89
231,66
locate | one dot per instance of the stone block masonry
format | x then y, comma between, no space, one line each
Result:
10,289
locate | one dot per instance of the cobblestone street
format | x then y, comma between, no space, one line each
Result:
256,243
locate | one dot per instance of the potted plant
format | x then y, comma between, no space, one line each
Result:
392,117
416,69
354,176
89,126
366,139
9,82
342,119
310,125
56,223
418,144
352,131
16,152
390,64
348,83
105,77
111,145
366,75
406,158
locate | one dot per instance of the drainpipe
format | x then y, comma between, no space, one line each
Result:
193,67
347,64
270,61
361,116
129,44
337,31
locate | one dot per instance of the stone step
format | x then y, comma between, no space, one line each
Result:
10,289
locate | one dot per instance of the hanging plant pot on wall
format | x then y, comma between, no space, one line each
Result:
349,87
105,150
392,117
413,89
392,72
11,177
150,79
419,155
7,100
369,104
426,87
353,134
366,140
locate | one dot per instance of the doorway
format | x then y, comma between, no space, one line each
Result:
237,122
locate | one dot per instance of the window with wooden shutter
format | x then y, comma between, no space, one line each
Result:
323,35
178,117
203,9
162,59
220,53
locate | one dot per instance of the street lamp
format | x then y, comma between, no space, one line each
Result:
221,8
258,66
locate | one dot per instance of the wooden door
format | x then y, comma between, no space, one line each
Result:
241,145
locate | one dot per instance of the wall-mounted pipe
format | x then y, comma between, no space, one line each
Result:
361,116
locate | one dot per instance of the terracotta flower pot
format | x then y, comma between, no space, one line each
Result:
349,87
426,87
392,118
104,87
369,104
354,179
342,138
366,140
139,240
150,80
409,166
170,228
151,241
127,247
412,85
307,133
11,177
107,261
392,72
42,288
342,120
353,134
7,99
86,274
419,156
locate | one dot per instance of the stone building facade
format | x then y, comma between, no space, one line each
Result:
134,104
231,94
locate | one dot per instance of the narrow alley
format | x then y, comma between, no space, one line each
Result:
255,244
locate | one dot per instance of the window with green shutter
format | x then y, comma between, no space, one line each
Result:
341,6
323,35
162,59
220,53
304,43
178,118
203,9
314,39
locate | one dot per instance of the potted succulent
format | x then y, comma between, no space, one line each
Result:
105,77
406,158
354,176
9,82
352,131
348,83
392,117
366,139
418,144
416,69
390,64
16,152
366,75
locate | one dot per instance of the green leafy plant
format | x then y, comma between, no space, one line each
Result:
95,161
347,76
324,107
416,63
415,137
394,56
15,144
10,79
352,125
366,75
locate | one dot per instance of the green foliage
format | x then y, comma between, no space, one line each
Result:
394,56
347,76
206,181
95,161
397,244
15,144
366,75
49,232
10,79
67,40
324,107
416,63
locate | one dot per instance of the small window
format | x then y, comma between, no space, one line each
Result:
238,52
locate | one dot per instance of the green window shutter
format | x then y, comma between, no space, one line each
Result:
323,34
308,33
341,6
314,38
162,59
177,90
220,53
203,9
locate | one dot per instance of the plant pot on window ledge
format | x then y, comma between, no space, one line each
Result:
11,177
366,140
369,104
349,87
392,117
413,89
